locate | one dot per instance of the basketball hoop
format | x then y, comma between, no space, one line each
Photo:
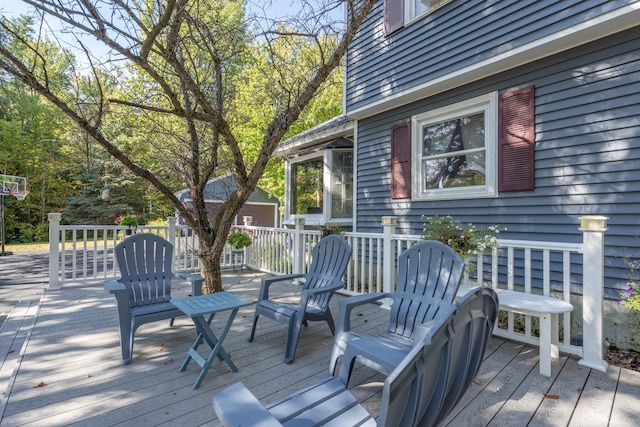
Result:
10,185
19,194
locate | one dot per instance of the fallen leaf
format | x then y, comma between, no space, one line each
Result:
41,384
552,396
169,362
477,381
88,376
11,351
161,349
579,391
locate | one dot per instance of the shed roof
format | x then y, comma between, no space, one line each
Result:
218,190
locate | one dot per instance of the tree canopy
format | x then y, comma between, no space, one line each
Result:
189,90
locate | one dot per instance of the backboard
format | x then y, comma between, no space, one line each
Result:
15,186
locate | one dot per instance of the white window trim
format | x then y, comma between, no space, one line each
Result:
410,13
309,218
487,103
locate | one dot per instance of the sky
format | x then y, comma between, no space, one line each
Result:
14,8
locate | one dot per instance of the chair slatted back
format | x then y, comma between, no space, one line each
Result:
144,261
473,328
427,269
424,388
329,262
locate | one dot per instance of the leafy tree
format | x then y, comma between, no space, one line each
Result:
189,58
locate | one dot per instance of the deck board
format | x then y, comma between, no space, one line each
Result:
73,348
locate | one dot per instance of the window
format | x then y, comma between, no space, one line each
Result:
416,8
307,187
341,184
329,172
455,150
399,12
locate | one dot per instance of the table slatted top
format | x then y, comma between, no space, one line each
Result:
212,303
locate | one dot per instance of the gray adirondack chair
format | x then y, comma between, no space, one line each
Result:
329,261
428,278
420,391
143,292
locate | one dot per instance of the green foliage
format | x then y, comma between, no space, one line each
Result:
130,220
239,239
630,297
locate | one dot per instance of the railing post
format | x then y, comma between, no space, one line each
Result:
54,250
171,229
246,257
388,256
593,228
171,237
298,246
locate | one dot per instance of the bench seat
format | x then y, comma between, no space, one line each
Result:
544,307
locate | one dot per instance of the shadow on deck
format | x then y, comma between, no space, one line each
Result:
61,365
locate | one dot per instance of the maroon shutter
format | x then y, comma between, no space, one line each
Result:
401,161
516,140
393,15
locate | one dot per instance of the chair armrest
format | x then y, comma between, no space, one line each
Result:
196,282
236,406
345,305
114,287
307,294
268,281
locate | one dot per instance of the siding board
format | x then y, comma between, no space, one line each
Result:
587,154
455,36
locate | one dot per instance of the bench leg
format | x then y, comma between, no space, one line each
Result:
545,344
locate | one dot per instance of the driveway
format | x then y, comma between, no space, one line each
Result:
23,276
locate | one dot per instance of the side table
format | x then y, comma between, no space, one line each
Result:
197,307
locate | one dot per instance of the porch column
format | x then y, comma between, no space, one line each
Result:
389,224
54,250
593,228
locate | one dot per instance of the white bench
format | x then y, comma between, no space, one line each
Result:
544,307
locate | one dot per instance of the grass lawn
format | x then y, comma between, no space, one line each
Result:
26,247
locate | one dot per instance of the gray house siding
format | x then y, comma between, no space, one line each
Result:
587,154
457,35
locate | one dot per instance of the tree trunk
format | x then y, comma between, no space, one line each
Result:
210,270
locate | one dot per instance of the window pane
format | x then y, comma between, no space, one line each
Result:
454,152
342,184
307,187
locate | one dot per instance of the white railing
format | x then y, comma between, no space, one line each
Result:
84,253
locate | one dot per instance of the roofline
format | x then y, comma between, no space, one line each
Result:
309,137
593,29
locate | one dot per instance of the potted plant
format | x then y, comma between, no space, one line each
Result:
467,240
128,220
239,239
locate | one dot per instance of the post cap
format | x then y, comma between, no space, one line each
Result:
593,223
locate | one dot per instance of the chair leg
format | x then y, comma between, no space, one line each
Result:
329,318
293,333
127,345
126,339
253,328
336,352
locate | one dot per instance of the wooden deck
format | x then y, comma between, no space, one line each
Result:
61,366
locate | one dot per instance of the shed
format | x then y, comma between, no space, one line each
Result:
262,207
